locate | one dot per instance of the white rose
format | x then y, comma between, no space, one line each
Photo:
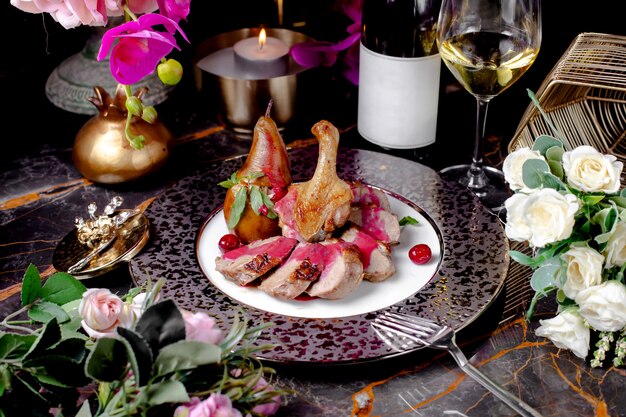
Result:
512,168
591,171
584,270
548,215
604,306
567,331
615,251
102,312
516,227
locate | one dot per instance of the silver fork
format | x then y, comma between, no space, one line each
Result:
395,329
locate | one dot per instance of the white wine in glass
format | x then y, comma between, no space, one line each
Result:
487,45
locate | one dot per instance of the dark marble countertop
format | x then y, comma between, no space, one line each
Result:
41,193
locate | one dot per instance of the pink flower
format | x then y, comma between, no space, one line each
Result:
217,405
73,13
270,408
199,326
67,12
174,9
314,54
102,312
140,47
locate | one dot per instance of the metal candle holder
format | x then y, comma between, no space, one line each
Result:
242,99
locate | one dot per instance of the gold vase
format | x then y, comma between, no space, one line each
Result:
101,151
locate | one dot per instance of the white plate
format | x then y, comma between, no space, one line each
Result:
408,279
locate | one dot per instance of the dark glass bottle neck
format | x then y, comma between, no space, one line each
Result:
400,28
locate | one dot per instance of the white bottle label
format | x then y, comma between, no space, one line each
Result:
398,99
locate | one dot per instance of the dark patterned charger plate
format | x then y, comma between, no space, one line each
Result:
471,274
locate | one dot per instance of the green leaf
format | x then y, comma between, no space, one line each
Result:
271,214
545,278
238,206
556,169
167,391
408,220
555,153
256,199
186,354
591,200
160,325
61,288
85,410
524,259
108,360
139,354
50,336
535,173
45,311
620,201
58,370
545,142
31,284
15,346
5,378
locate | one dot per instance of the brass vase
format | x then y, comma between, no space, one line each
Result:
101,151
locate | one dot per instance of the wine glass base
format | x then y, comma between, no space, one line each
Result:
492,194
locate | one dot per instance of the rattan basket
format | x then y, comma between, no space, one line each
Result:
584,96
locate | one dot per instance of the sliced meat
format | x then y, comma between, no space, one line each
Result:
383,225
375,255
284,208
343,271
304,266
247,263
365,195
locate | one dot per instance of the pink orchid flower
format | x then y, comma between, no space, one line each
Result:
176,10
140,47
314,54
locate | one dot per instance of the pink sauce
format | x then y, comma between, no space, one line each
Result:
305,297
278,248
373,224
366,245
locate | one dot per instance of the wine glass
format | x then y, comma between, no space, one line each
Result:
487,45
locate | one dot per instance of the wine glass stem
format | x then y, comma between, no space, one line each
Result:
476,177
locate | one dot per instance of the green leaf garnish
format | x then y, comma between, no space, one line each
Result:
238,205
408,220
256,199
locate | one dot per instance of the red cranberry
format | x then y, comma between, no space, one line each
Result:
263,210
229,242
420,254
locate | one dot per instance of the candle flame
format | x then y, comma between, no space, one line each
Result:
262,39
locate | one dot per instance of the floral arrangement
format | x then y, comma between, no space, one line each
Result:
136,47
570,208
326,54
89,352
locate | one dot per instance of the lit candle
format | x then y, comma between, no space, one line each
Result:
262,57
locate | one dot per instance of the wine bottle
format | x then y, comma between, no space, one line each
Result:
399,72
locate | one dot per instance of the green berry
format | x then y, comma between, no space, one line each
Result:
149,114
170,72
134,105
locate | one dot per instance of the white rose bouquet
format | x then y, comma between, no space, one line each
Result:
569,207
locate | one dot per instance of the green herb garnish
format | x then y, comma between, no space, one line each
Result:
258,197
408,220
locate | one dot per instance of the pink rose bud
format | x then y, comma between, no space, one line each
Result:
267,409
102,311
263,210
199,326
217,405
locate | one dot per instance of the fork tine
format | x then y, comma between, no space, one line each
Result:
400,326
408,324
416,320
397,341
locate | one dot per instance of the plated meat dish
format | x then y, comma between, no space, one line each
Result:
333,234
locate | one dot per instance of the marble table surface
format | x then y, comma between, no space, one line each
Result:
42,193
